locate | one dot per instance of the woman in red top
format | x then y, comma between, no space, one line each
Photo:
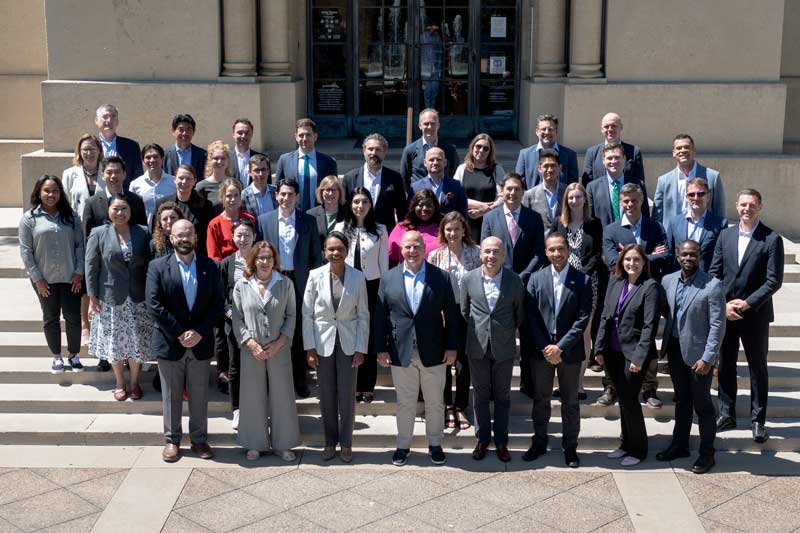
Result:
219,242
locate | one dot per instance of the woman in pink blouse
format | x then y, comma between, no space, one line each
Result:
423,216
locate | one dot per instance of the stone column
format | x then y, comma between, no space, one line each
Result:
274,22
551,18
586,38
239,38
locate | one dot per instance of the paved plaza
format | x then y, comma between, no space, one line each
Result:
61,489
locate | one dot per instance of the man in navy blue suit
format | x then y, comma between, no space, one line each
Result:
412,162
306,165
528,160
107,121
449,192
183,152
593,163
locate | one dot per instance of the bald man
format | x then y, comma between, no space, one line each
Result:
449,192
416,333
492,324
611,127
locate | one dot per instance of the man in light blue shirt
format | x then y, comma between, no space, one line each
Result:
154,184
259,197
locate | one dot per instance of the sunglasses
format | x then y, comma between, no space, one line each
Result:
700,194
482,147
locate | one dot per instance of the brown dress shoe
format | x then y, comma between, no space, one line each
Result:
171,452
346,455
203,450
502,453
480,451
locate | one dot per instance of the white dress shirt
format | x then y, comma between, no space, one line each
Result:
559,278
414,285
243,162
744,240
373,183
491,287
683,180
287,235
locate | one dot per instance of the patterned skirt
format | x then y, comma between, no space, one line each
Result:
121,332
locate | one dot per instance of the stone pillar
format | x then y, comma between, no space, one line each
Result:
274,22
239,38
551,19
586,38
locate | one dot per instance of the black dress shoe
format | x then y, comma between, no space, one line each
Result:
672,453
725,422
527,392
302,391
103,366
502,453
759,433
571,459
556,393
703,464
607,398
582,396
534,452
480,451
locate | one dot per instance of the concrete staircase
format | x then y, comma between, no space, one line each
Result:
37,407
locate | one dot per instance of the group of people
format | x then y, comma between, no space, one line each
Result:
435,272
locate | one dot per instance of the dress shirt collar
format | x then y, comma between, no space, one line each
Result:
612,180
407,272
192,263
689,280
692,172
514,213
562,276
700,220
539,147
373,177
496,278
312,155
625,221
290,219
426,146
748,234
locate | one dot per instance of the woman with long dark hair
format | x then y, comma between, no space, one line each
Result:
52,249
368,252
480,175
166,215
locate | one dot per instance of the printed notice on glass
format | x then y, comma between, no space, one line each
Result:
498,30
497,64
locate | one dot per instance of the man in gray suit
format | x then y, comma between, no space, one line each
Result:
692,339
493,305
529,158
559,305
545,198
670,198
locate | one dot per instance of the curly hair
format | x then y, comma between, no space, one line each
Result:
216,146
159,236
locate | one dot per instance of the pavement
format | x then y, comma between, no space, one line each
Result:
115,488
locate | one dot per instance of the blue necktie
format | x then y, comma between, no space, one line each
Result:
306,184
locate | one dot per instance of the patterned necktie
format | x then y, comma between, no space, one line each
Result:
615,200
306,184
512,227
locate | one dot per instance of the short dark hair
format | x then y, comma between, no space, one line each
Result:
289,182
613,146
152,146
259,158
338,235
549,153
246,222
306,123
183,118
114,159
557,235
243,121
682,136
749,192
512,176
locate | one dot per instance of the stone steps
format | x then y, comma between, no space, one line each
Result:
370,432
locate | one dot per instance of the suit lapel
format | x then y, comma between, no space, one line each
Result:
750,245
325,286
505,282
175,274
631,293
548,307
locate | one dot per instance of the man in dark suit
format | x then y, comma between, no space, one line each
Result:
594,162
529,158
306,165
416,333
646,232
522,233
241,152
559,305
107,120
412,162
183,152
748,258
294,234
449,192
389,199
259,197
185,298
545,197
604,192
698,224
493,304
95,212
196,209
692,337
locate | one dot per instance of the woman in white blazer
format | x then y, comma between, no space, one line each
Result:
369,253
335,332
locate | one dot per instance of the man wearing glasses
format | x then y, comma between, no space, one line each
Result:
670,198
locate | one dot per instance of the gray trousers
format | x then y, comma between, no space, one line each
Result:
194,374
491,382
337,401
568,377
407,383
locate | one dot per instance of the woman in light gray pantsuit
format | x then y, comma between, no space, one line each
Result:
335,336
263,322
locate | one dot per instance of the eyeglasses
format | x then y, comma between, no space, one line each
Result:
482,147
699,194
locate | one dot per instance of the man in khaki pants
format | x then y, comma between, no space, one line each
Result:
416,332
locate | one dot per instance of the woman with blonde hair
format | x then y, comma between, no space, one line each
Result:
218,167
330,211
480,175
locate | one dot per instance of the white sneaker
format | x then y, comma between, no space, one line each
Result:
616,454
235,422
58,366
629,460
287,455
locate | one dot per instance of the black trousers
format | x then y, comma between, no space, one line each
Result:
368,371
649,378
61,301
462,374
568,374
299,363
491,381
754,334
692,393
233,366
221,346
628,385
